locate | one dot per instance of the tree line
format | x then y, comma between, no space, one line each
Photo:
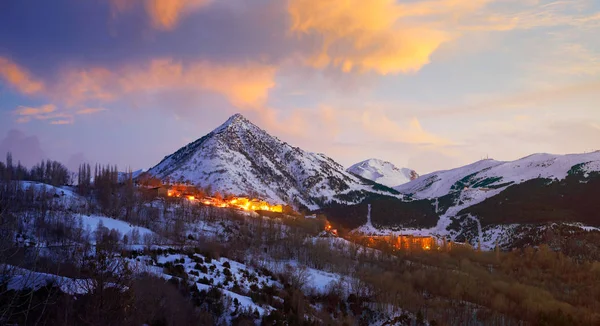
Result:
47,171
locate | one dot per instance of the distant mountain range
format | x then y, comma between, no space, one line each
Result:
509,203
499,175
383,172
240,158
491,201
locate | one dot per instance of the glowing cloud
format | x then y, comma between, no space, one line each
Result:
164,14
367,35
244,85
76,86
18,77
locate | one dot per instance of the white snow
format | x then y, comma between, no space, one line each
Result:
438,183
245,302
546,166
368,227
64,196
232,159
20,279
382,172
123,227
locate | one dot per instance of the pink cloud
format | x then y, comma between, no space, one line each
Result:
46,112
163,14
19,78
90,110
244,85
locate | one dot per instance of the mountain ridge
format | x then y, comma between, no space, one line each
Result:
497,174
240,158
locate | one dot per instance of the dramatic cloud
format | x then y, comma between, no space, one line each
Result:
244,85
350,78
381,35
360,35
164,14
18,77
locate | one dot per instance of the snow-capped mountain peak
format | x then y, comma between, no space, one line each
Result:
240,158
235,122
383,172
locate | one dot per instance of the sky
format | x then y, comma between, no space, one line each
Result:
428,85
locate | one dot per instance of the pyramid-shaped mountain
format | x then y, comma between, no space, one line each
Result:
239,158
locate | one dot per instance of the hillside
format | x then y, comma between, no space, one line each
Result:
239,158
168,262
383,172
490,202
116,253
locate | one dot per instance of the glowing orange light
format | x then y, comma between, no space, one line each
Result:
191,198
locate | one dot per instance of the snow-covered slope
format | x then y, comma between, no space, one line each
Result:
437,184
491,174
240,158
383,172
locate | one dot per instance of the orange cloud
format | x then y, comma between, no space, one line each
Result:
90,110
380,35
245,86
76,86
30,111
18,77
45,112
164,14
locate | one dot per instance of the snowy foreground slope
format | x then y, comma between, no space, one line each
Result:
240,158
383,172
499,175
